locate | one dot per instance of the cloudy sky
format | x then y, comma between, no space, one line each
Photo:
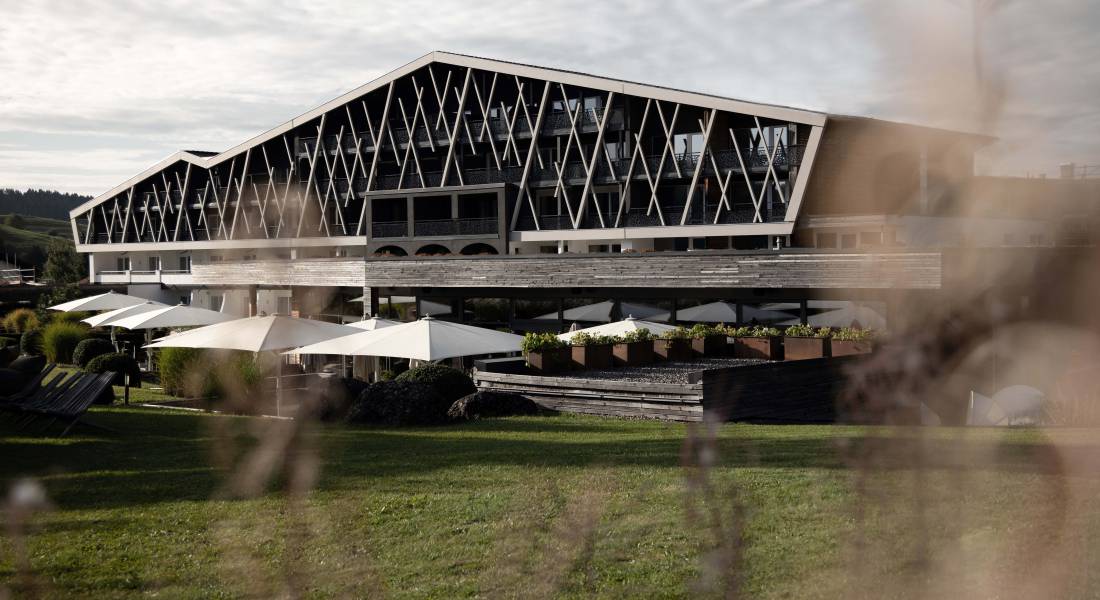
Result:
93,92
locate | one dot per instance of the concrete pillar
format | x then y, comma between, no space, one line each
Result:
409,216
253,292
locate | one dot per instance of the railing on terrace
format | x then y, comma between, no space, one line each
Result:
389,229
451,227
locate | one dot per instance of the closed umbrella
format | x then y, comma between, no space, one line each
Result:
425,339
108,301
620,327
110,317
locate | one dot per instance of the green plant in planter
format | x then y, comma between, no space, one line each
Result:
762,331
802,330
637,335
541,342
853,334
587,339
679,333
702,330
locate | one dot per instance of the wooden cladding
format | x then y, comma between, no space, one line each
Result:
679,270
656,270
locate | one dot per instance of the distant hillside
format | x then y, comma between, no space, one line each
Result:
39,203
27,237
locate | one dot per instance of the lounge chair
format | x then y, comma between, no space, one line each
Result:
66,401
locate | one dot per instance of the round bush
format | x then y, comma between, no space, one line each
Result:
59,340
30,343
20,320
69,317
90,348
491,404
449,383
119,363
399,403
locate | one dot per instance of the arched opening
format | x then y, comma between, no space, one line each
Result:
479,248
391,251
432,250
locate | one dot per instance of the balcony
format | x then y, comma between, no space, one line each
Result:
132,276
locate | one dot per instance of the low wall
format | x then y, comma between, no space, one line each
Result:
803,391
632,399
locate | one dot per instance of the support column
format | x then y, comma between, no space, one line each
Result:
803,316
253,301
409,203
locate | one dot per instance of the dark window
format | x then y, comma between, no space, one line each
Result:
826,240
848,240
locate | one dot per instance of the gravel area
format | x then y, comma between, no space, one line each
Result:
663,372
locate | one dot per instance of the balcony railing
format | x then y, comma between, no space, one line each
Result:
452,227
389,229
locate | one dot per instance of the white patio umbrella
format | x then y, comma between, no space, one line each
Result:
712,312
601,311
846,314
172,316
256,334
426,306
108,301
620,327
109,317
373,323
425,339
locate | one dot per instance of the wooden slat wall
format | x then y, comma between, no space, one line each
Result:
687,270
681,270
601,397
319,272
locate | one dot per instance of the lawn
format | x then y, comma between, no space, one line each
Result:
190,505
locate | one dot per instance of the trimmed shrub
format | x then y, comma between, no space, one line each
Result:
449,383
30,343
119,363
59,341
90,348
491,404
399,403
679,333
636,335
20,320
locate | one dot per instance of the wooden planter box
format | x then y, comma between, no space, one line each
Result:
672,350
551,361
712,345
850,347
594,356
767,348
632,354
803,348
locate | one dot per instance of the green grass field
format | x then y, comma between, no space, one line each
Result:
190,505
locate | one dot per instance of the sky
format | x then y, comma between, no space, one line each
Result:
92,93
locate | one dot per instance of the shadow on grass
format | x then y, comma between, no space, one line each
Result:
165,456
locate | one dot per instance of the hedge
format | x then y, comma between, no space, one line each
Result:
449,383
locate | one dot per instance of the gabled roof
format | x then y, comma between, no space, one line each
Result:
210,159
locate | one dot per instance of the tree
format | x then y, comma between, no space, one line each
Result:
63,264
14,220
